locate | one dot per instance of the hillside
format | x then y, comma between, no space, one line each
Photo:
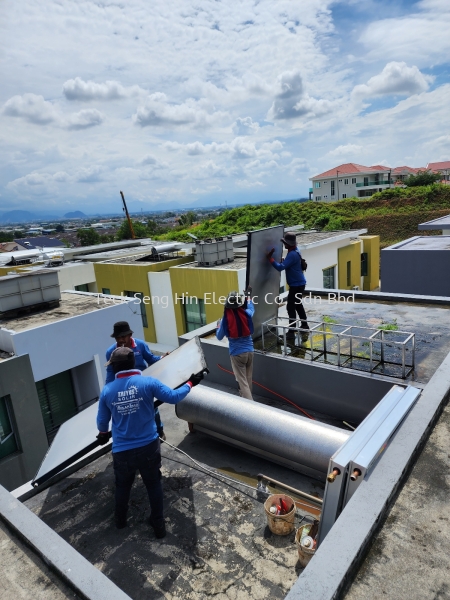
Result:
393,214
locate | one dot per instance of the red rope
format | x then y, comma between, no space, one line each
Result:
272,392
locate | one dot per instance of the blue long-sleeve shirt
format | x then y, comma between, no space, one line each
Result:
241,344
143,357
128,402
292,264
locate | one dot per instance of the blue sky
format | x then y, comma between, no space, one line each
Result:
185,103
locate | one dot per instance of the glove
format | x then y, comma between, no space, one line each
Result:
270,253
248,291
103,438
195,379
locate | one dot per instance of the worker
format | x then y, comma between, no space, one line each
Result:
296,281
237,326
128,402
143,357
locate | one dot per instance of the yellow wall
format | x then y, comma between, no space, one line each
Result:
371,245
197,282
351,253
121,277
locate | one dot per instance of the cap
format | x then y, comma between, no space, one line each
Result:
234,300
290,239
121,354
121,328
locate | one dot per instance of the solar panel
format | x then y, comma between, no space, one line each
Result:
77,436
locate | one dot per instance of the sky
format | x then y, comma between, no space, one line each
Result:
183,103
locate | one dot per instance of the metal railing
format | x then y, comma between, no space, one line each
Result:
373,183
341,341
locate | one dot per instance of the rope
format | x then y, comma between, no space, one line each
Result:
272,392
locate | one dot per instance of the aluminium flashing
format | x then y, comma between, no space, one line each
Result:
349,539
69,564
440,223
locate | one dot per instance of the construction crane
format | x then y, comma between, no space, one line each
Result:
125,209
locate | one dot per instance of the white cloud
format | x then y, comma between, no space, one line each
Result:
245,126
244,183
345,151
395,79
32,108
299,165
89,174
291,100
85,119
157,111
85,91
148,159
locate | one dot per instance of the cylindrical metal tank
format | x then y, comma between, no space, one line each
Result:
295,440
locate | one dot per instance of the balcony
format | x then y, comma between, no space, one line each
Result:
373,183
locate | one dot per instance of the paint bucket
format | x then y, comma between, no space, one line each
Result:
304,554
280,524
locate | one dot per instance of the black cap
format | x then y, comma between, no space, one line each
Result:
121,354
290,239
235,300
121,328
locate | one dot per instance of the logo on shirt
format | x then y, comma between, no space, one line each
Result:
127,401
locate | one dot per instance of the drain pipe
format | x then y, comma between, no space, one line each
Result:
262,478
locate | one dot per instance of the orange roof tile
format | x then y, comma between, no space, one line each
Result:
438,166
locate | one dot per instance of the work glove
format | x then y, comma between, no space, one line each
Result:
103,438
248,291
195,379
270,253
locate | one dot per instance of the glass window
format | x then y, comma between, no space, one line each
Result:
353,179
364,264
106,291
345,181
194,313
332,188
139,295
366,181
8,440
344,196
318,197
328,278
349,273
317,184
57,401
82,288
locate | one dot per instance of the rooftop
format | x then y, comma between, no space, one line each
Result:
71,305
317,238
438,166
355,169
237,263
435,242
441,223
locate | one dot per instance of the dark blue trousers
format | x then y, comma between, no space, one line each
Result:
146,459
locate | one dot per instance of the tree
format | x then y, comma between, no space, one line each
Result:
422,178
187,219
6,237
60,228
124,233
88,237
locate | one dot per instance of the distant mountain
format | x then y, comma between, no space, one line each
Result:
17,216
76,214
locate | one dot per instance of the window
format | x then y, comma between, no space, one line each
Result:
328,278
353,179
57,401
349,273
340,180
8,441
318,197
364,264
82,288
345,181
325,196
332,188
344,196
324,182
141,305
317,184
366,181
106,291
194,313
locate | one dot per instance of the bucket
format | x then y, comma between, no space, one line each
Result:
304,554
280,524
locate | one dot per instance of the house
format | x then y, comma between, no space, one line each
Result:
39,241
441,167
353,180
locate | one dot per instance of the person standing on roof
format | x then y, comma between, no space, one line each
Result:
129,402
143,358
237,326
296,281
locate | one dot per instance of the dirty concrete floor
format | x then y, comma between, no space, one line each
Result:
218,542
430,323
409,557
24,575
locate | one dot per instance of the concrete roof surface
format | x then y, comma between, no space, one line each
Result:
429,242
441,223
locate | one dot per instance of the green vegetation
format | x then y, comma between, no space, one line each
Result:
422,178
393,214
90,237
10,236
389,326
327,319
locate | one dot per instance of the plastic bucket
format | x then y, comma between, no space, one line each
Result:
304,554
280,524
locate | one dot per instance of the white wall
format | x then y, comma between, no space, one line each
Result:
163,311
65,344
322,257
86,385
78,273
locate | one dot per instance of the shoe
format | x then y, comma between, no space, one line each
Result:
162,435
159,528
305,337
290,335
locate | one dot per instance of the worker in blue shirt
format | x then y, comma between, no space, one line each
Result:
143,357
237,326
128,402
296,281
